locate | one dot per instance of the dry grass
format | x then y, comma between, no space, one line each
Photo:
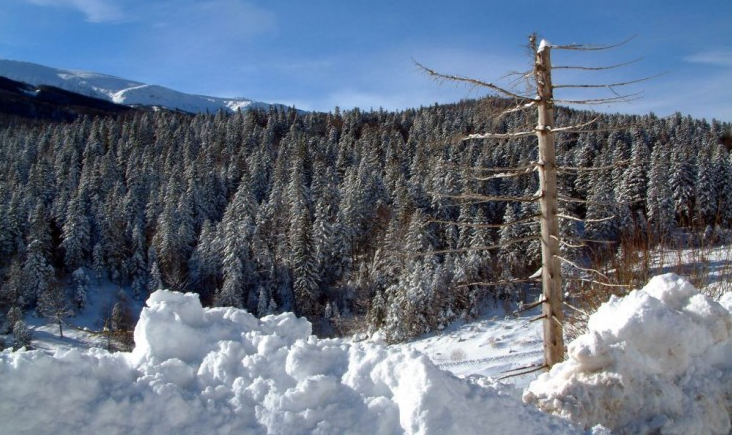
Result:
707,265
457,355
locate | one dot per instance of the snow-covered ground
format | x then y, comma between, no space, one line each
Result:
222,371
495,346
85,328
656,361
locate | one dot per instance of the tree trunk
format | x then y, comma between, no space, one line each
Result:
551,273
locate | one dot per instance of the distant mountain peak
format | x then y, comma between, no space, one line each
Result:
121,91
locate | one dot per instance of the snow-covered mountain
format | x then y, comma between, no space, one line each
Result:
119,90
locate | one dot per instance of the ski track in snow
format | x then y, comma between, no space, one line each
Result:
512,358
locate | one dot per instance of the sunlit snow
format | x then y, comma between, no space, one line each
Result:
119,90
221,371
658,360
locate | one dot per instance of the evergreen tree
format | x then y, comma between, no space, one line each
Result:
37,273
21,335
204,265
635,179
682,179
304,267
76,236
156,279
661,216
11,291
98,261
81,287
214,202
603,220
237,265
137,263
511,254
707,195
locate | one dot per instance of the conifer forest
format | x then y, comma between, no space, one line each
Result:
370,217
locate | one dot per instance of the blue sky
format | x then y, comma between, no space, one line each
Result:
319,54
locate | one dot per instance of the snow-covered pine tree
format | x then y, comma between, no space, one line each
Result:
76,235
22,336
706,195
304,266
682,179
81,286
37,273
659,197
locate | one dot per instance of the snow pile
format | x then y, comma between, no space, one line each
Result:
222,371
656,361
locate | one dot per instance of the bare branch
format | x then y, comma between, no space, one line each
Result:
610,85
591,47
564,216
523,371
604,129
518,108
606,284
505,175
527,307
572,307
597,68
469,225
584,201
500,135
477,248
486,198
579,239
456,78
537,318
530,166
572,218
620,98
592,168
583,269
497,283
567,244
574,128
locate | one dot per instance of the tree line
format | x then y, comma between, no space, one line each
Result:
336,216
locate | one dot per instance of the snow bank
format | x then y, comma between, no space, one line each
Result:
222,371
656,361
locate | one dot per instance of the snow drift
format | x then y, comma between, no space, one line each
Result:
656,361
221,371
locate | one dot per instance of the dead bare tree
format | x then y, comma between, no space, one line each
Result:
540,98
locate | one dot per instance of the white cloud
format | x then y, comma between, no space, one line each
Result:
712,57
96,11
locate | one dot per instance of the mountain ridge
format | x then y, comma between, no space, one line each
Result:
122,91
23,102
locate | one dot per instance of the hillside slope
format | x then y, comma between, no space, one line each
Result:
119,90
21,101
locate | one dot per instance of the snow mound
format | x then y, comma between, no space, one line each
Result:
223,371
658,360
